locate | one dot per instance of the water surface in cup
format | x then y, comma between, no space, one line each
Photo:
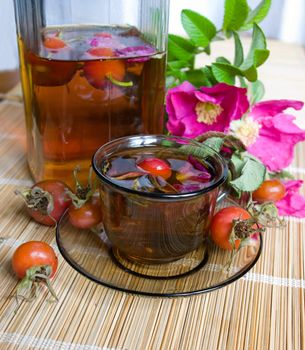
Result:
158,171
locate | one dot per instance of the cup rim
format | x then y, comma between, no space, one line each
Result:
154,195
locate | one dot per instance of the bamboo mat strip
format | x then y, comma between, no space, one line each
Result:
46,344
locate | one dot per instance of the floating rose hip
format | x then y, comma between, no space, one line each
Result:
54,43
101,52
98,73
156,167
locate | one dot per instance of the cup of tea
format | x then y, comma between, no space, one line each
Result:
158,195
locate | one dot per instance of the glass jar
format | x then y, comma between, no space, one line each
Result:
91,72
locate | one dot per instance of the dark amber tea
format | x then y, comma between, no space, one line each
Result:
84,86
158,198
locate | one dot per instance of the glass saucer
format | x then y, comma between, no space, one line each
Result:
205,269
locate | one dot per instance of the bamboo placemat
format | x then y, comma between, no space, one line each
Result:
263,310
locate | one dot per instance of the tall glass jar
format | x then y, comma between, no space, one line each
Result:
91,71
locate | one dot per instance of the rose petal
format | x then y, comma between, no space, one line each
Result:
277,133
274,107
182,188
293,203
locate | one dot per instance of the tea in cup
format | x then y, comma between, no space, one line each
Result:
158,195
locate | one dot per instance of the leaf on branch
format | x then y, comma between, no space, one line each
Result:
252,172
250,73
222,59
178,64
198,78
200,29
180,48
239,51
225,73
215,142
257,15
258,52
256,91
207,70
236,13
238,163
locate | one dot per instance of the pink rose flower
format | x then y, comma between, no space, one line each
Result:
293,203
192,112
277,134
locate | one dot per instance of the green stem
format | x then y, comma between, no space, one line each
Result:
119,83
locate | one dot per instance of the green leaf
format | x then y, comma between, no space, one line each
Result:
252,175
256,91
243,83
284,174
238,163
197,77
225,73
200,29
173,65
239,51
250,73
258,53
257,15
196,151
236,13
207,70
260,57
214,142
180,48
170,82
222,59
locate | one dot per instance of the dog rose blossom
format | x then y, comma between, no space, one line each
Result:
192,112
277,133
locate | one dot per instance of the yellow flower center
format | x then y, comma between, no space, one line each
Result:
246,130
207,112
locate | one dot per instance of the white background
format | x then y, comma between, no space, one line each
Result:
285,21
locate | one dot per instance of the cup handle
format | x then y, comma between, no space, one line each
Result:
223,193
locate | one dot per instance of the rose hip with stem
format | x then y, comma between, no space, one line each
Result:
85,211
46,201
34,262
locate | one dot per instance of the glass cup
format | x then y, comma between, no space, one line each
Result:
92,71
150,227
